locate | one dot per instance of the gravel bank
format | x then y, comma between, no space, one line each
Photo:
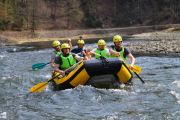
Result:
162,43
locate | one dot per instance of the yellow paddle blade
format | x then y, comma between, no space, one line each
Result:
136,69
39,87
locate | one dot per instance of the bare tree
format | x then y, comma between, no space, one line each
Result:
33,25
53,9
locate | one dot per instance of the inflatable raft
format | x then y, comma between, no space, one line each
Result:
96,72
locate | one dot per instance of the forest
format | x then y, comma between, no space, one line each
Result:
21,15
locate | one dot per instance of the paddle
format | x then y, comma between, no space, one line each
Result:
135,73
38,66
139,77
42,85
135,68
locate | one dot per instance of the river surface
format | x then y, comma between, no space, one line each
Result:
157,99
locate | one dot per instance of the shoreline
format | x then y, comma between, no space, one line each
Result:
24,37
141,40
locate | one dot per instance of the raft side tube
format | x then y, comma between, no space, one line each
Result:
69,76
99,67
80,79
124,75
78,76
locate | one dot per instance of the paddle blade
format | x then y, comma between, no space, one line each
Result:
136,69
39,87
39,66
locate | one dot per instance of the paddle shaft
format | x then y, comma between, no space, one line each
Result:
47,63
139,77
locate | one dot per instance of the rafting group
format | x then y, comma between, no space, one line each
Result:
73,67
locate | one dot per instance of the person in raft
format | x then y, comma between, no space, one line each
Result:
66,59
80,48
117,50
57,50
101,51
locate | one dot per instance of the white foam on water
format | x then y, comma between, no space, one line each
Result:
3,115
177,95
14,49
6,77
49,88
112,117
122,85
2,56
175,89
121,91
47,76
176,82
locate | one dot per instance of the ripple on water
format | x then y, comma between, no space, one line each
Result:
157,99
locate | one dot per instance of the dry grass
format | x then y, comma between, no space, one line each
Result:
27,36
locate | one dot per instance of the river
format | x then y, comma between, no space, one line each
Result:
157,99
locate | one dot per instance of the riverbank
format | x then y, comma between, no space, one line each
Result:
28,37
144,40
161,43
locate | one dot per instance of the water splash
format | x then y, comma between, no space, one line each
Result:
3,115
177,95
177,82
176,91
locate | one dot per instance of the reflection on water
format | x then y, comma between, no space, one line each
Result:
158,99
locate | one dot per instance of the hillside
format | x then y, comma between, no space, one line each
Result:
79,14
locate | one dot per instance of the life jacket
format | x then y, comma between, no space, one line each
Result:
67,62
121,53
57,53
103,53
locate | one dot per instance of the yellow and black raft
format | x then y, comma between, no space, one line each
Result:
84,73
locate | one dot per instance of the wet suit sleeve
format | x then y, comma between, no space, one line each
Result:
84,50
112,46
126,52
58,60
73,50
